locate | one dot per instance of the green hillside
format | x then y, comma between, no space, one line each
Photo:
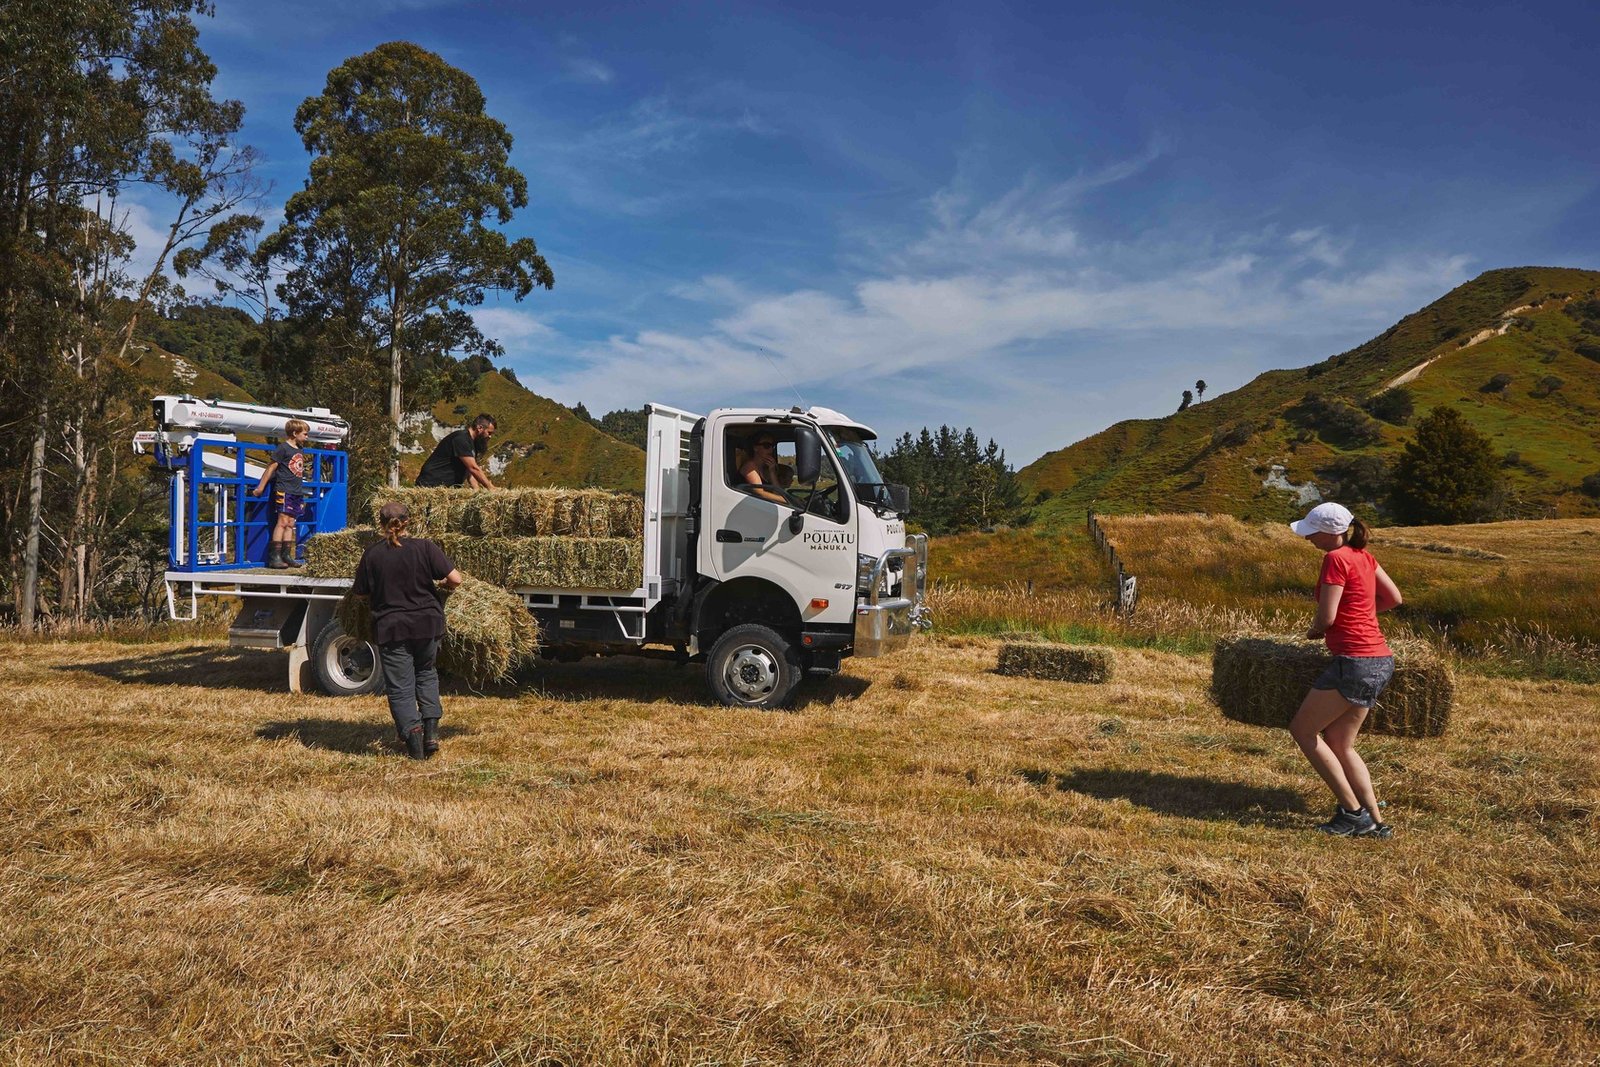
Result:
543,442
165,373
1539,326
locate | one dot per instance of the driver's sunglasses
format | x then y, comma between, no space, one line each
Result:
766,444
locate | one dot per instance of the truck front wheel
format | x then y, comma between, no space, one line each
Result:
752,666
345,666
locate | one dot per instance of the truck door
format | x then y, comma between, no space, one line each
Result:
747,527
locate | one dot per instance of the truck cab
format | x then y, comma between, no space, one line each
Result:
792,574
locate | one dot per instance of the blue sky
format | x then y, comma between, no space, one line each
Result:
1035,220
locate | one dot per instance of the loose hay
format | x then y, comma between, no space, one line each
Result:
489,632
1059,663
1262,680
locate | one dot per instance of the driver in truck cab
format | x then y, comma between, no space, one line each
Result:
760,472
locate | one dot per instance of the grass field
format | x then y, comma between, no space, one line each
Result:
926,863
1517,598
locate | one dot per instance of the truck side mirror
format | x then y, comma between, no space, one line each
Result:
807,454
899,498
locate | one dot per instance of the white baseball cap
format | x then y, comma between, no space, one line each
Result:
1324,518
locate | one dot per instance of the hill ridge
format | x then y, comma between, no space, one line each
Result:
1507,325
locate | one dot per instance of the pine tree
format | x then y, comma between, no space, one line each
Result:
1448,474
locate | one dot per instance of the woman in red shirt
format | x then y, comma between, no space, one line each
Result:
1351,590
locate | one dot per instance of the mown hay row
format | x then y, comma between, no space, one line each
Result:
489,632
1262,680
540,512
1058,663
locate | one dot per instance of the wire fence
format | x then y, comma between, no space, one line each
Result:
1127,585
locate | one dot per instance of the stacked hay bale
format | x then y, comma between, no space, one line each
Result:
517,538
1057,663
1262,680
590,539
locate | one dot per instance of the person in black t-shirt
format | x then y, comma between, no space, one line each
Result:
398,574
455,459
287,473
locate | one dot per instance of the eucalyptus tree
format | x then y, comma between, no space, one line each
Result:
94,97
394,234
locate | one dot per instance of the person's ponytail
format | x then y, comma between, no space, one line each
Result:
393,528
1358,534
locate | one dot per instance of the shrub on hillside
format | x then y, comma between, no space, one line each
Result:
1448,474
1547,385
1497,384
1591,485
1355,478
1237,433
1394,406
1335,420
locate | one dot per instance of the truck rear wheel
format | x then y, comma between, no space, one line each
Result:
345,666
752,666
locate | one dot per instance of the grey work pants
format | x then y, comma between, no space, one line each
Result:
412,681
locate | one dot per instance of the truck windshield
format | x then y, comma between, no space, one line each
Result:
859,467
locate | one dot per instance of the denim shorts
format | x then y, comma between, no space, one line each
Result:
1359,679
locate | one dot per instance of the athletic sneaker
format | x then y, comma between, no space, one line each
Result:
1382,831
1358,823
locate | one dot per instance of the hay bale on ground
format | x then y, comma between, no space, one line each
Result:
1262,680
489,632
1059,663
335,555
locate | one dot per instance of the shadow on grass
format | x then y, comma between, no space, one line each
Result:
339,735
203,665
1174,794
646,680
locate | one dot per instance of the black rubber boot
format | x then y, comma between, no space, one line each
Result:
288,555
275,558
430,737
414,744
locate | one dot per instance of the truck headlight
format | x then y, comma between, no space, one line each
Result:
864,566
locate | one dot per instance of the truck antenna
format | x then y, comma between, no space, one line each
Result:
786,378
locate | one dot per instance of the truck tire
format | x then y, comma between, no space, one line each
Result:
753,666
345,666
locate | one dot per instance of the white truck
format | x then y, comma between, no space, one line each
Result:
765,584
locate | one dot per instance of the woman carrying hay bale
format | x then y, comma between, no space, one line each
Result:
1351,590
398,574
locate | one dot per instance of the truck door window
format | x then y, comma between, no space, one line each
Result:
745,450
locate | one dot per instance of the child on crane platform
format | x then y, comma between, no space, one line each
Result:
287,474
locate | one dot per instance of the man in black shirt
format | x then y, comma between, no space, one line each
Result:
455,459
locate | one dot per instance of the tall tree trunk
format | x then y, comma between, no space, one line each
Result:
396,361
28,609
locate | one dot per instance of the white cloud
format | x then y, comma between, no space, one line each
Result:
1044,339
591,71
509,326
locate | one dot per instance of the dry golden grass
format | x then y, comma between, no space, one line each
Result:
927,863
1520,596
